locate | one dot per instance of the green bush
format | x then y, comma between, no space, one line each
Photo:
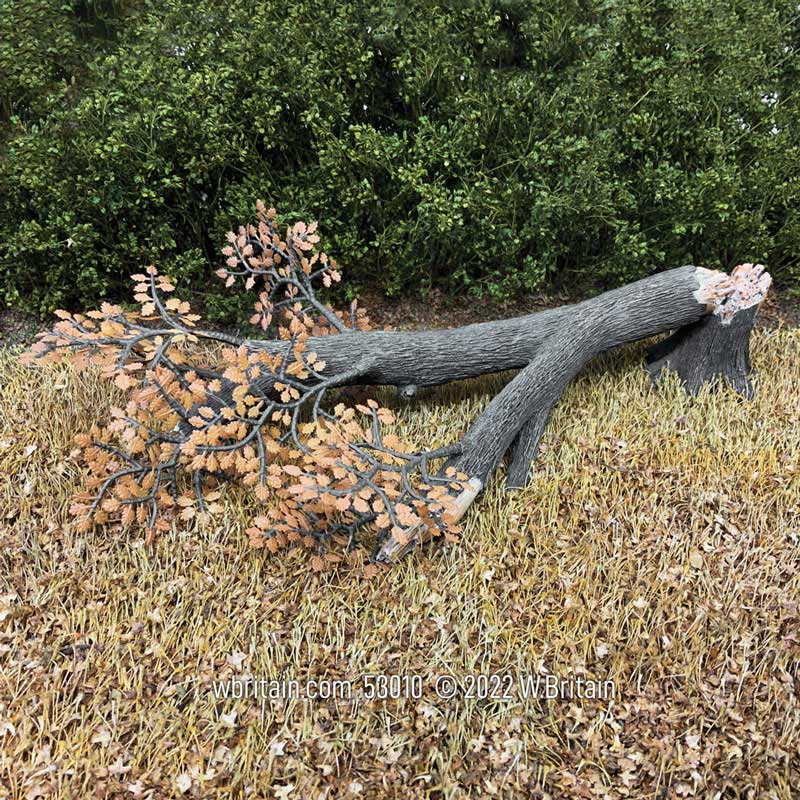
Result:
487,146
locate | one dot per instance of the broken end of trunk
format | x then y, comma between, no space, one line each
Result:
716,349
393,549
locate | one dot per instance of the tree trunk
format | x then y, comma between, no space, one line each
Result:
550,347
653,305
713,315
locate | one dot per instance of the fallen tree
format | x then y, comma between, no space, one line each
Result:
263,411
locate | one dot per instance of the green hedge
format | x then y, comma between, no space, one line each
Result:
487,146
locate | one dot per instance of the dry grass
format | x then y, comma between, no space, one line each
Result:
657,547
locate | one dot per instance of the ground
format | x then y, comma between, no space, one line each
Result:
656,548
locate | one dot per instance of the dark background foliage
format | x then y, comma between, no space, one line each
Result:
492,147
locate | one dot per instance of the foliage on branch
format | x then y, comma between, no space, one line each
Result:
205,408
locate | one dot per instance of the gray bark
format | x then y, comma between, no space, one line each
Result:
518,414
523,451
707,352
427,358
549,347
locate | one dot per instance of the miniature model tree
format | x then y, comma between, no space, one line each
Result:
205,407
